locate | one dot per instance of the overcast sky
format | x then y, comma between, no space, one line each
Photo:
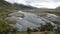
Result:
38,3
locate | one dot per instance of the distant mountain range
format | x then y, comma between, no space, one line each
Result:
25,6
58,8
18,6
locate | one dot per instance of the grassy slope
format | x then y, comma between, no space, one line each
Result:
5,8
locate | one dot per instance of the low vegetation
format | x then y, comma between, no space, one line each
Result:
6,8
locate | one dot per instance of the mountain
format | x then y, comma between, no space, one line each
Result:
58,8
7,5
24,6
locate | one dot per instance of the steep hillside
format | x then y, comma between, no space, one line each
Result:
7,5
5,8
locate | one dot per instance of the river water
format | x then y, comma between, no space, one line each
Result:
25,20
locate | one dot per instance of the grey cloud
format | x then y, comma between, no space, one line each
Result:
30,1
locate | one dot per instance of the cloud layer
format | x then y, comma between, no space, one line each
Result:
38,3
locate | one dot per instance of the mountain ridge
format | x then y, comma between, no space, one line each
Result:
25,6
